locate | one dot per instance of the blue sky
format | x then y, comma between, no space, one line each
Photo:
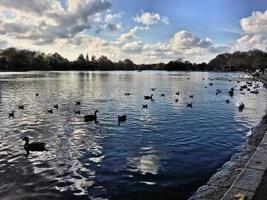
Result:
217,19
142,30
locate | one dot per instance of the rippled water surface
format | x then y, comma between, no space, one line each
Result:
163,152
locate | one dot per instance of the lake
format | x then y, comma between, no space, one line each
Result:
163,152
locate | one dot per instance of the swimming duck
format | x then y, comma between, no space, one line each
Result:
36,94
191,96
56,106
177,93
189,105
218,92
241,107
176,100
121,119
254,91
78,103
231,92
12,114
127,94
78,112
34,146
227,101
148,97
153,89
162,95
21,107
50,111
145,106
88,118
210,84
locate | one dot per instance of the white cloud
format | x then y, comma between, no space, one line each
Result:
256,23
148,18
131,34
184,39
111,17
248,42
54,22
133,47
255,30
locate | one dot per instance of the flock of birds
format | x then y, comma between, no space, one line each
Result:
39,146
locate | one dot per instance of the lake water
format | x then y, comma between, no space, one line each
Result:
164,152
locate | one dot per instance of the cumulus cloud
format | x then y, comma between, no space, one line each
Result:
248,42
35,6
256,23
184,39
148,18
131,34
56,22
255,30
133,47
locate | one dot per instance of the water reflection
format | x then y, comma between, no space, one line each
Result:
148,163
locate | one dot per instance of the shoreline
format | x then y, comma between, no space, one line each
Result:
220,182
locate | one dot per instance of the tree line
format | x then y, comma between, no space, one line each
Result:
12,59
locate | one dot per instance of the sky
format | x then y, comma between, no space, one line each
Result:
145,31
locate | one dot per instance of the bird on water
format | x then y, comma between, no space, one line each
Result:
34,146
89,118
12,114
121,118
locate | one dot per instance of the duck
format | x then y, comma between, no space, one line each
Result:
153,89
189,105
50,111
78,112
218,91
162,95
34,146
176,100
227,101
36,94
206,87
78,103
191,96
89,118
241,106
231,92
144,106
21,107
177,93
127,94
56,106
121,118
12,114
148,97
210,84
254,91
